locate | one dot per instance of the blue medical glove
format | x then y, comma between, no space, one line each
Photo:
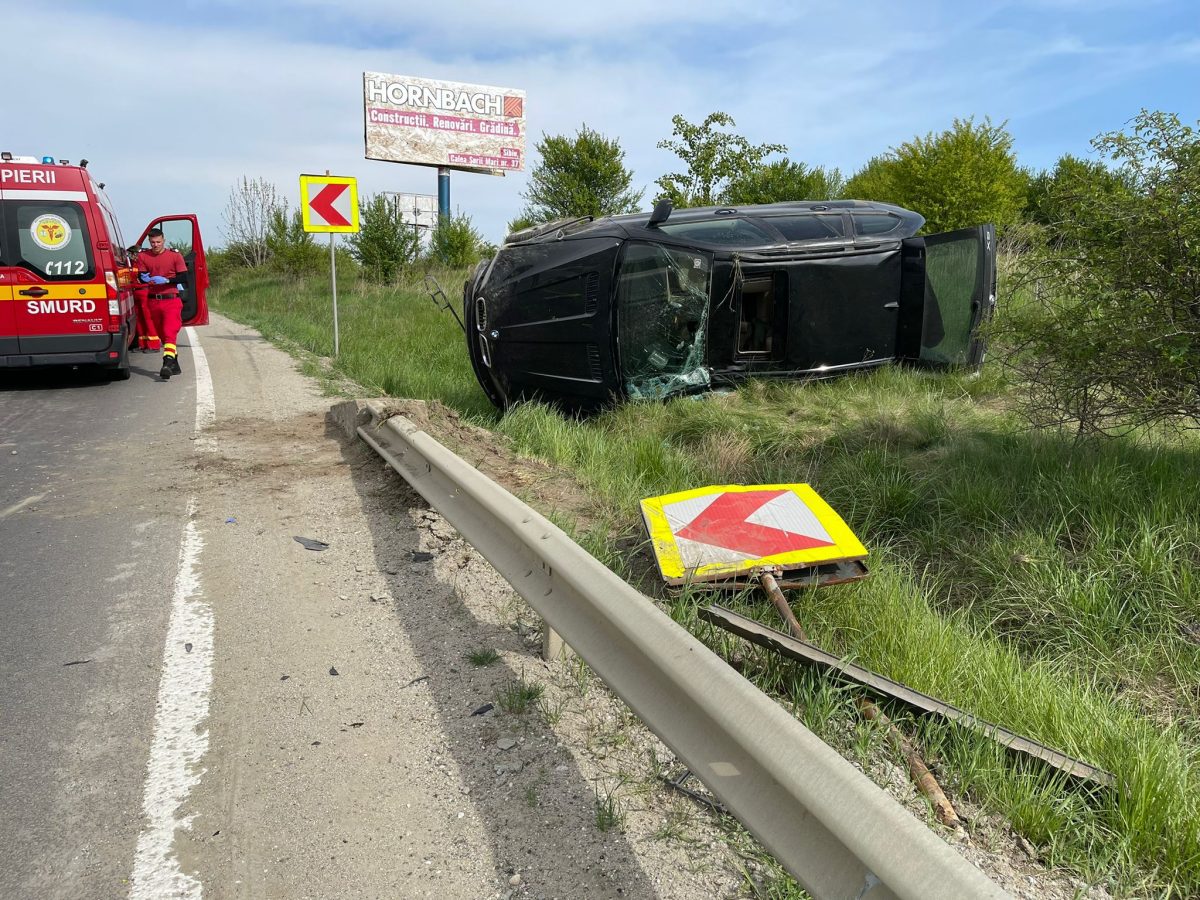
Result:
144,278
179,287
159,279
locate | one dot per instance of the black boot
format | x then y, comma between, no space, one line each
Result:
167,370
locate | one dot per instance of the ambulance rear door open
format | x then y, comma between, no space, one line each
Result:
182,233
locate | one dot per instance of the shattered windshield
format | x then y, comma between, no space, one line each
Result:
662,311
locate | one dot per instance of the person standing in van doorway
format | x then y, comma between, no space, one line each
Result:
164,269
148,340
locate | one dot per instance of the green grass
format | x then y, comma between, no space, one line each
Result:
482,656
1050,586
610,812
519,695
391,341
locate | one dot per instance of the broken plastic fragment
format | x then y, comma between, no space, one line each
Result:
311,543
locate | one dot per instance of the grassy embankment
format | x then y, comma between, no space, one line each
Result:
1049,587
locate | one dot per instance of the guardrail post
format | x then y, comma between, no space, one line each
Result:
553,646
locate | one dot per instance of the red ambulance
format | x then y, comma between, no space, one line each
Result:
66,281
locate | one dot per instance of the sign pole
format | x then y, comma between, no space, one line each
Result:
333,281
329,205
333,284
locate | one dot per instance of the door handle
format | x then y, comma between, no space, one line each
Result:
33,292
893,305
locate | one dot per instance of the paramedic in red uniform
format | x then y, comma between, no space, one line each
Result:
147,335
162,269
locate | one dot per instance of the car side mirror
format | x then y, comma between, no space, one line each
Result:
662,212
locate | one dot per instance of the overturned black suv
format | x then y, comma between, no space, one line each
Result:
583,312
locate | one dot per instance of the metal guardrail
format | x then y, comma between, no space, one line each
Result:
839,834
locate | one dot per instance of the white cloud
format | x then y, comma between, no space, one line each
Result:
199,99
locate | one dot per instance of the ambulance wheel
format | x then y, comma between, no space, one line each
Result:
122,370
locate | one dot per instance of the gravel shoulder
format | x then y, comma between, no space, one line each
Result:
378,780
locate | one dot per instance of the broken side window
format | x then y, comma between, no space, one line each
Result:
662,319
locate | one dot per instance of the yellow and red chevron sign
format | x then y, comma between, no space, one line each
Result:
329,204
721,531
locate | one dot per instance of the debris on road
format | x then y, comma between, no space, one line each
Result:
310,543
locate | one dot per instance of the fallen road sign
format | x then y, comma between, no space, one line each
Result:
329,204
723,531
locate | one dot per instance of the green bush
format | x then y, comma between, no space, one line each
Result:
385,245
580,176
1111,340
966,175
292,250
783,180
455,243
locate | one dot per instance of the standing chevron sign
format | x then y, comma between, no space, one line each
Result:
723,531
329,204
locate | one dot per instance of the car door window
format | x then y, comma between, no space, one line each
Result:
729,232
662,319
809,228
866,224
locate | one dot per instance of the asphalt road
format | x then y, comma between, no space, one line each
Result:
90,528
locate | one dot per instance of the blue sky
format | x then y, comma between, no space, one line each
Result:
173,105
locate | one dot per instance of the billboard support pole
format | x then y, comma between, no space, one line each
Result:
443,193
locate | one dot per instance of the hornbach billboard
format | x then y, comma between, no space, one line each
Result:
444,123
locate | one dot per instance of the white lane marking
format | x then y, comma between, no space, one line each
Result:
180,741
206,404
17,507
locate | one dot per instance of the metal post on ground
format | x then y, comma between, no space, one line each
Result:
333,283
553,646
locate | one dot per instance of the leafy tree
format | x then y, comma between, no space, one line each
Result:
385,245
1114,340
580,176
292,249
963,176
713,157
1053,196
455,242
783,180
874,181
520,223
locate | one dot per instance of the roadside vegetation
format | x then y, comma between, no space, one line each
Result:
1034,532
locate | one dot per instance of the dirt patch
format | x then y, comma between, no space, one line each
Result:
549,490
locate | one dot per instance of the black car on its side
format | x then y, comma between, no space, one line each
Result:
583,312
